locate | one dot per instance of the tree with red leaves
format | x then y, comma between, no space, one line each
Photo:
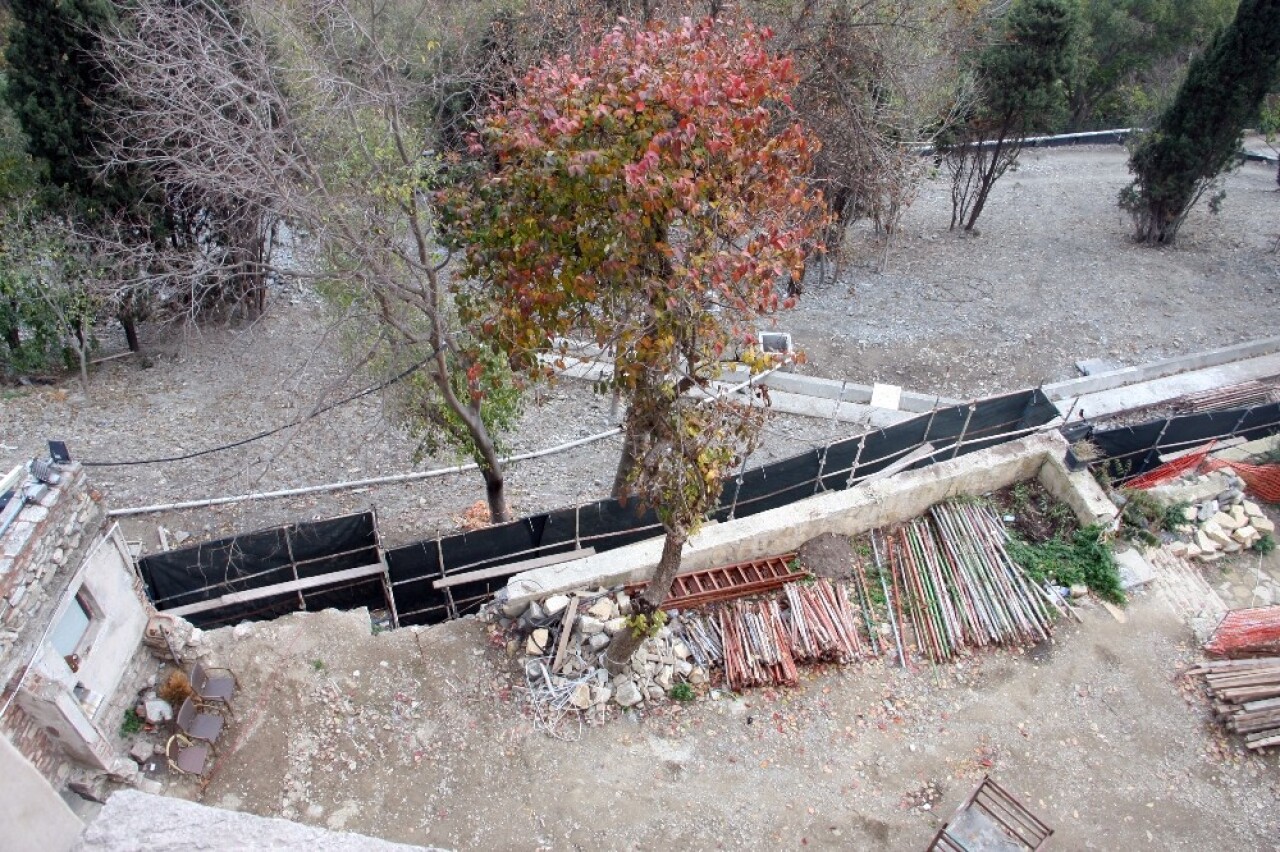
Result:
649,195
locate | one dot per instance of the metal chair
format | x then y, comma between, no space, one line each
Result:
214,688
188,757
197,725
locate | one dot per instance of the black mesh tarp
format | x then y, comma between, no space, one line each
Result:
263,558
1136,449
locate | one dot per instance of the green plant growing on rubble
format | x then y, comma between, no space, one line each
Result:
1265,544
1143,516
682,692
1085,557
132,723
644,626
317,665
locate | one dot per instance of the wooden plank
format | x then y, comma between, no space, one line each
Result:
333,579
509,568
566,629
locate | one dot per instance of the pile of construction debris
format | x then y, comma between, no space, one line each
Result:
1222,524
939,586
563,639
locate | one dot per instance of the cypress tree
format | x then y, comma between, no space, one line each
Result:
1198,136
54,84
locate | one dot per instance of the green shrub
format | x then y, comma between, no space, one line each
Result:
1085,557
682,692
132,723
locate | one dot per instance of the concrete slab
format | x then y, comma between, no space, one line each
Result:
1135,571
1074,388
133,820
1155,391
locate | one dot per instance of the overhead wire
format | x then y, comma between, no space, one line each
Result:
267,433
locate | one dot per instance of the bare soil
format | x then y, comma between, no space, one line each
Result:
419,736
1053,278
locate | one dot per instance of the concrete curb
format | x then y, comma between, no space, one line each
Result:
1160,369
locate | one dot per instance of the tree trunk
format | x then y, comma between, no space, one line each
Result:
82,354
626,464
130,326
495,493
625,643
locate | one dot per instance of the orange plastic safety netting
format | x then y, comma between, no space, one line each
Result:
1263,480
1251,632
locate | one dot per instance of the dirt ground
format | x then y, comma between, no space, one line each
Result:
1053,278
418,736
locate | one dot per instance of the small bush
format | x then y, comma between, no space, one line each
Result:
1265,544
1085,557
132,723
682,692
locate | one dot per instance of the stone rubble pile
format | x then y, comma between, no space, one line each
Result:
581,681
1222,524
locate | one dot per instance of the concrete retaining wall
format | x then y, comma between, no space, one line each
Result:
850,512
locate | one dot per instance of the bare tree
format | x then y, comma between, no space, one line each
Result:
310,114
881,80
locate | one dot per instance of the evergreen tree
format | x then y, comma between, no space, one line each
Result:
1020,90
54,83
1198,136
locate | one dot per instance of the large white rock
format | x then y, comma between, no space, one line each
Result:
602,609
538,642
628,694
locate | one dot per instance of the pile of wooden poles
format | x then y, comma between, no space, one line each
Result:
821,624
1246,696
760,642
936,585
956,585
757,651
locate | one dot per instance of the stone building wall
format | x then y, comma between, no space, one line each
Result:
40,552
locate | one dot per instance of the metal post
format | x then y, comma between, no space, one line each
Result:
1155,448
857,457
737,489
288,544
387,590
822,463
1236,427
964,430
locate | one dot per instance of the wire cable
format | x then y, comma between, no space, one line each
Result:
268,433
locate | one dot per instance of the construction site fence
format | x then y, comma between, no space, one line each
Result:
268,557
1130,451
260,559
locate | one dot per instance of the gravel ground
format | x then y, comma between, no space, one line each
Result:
1052,279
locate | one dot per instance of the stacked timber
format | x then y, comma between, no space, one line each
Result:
1246,696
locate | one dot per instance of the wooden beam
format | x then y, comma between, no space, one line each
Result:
278,589
509,568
